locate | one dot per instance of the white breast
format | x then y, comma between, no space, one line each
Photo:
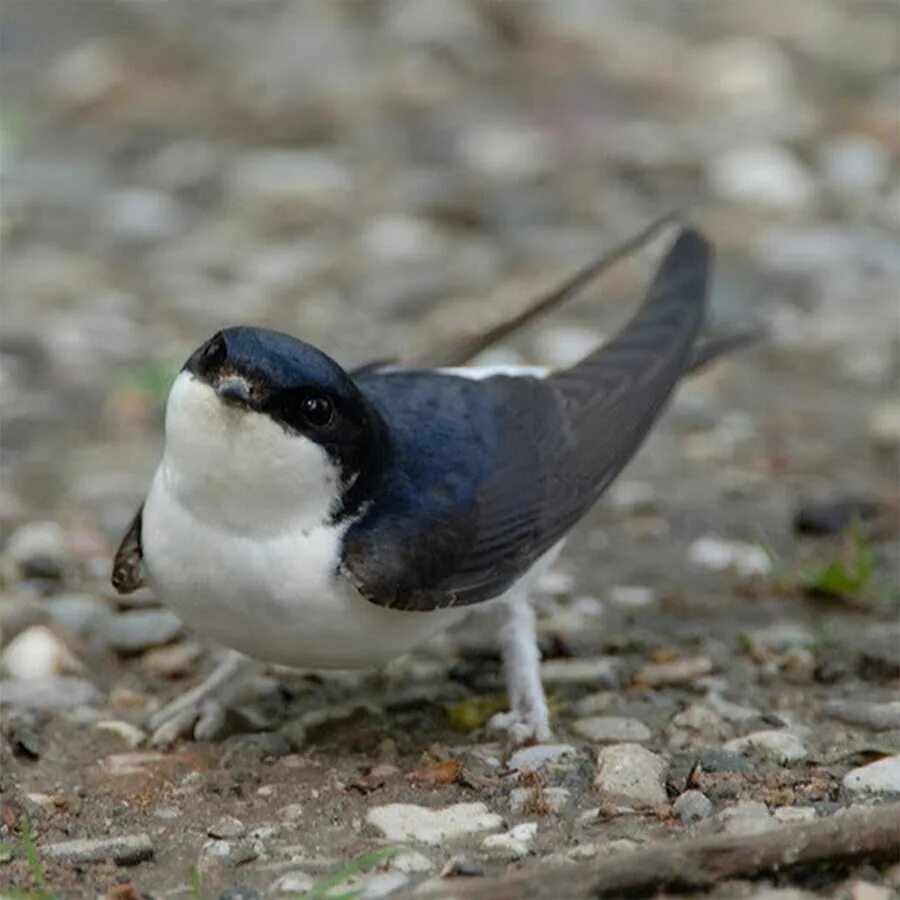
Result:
237,541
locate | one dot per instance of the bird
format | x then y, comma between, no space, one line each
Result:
319,518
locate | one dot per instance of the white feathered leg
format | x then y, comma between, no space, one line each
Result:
528,718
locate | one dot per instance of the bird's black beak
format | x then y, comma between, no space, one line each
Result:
235,390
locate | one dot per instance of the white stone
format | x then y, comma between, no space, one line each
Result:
601,671
36,653
783,636
296,883
881,777
782,746
854,164
411,861
37,542
612,728
633,497
745,818
396,239
630,775
142,214
289,187
692,806
515,844
743,72
719,555
406,821
866,890
792,815
764,175
631,596
126,732
540,756
508,152
884,425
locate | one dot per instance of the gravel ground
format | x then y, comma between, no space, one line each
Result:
721,638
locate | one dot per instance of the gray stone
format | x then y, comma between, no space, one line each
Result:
782,746
124,850
541,756
81,615
515,844
610,729
875,716
56,692
853,164
762,175
227,827
630,775
142,214
880,778
679,671
602,671
288,188
745,818
692,806
783,636
38,549
406,821
136,630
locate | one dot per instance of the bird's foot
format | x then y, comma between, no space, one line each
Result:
202,711
522,727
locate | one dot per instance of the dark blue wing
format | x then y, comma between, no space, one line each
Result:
490,474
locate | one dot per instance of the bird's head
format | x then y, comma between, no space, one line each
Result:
258,420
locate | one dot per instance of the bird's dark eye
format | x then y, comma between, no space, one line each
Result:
318,411
213,353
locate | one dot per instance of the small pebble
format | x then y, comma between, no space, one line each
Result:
515,844
719,555
54,692
289,188
875,716
866,890
631,596
38,549
80,615
877,778
778,745
171,661
37,653
745,818
129,734
540,756
601,671
296,883
136,630
692,806
884,426
123,850
227,827
411,862
630,775
406,821
612,729
792,815
680,671
765,175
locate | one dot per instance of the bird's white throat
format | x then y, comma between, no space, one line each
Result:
240,469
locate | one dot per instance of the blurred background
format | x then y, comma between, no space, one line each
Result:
380,176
